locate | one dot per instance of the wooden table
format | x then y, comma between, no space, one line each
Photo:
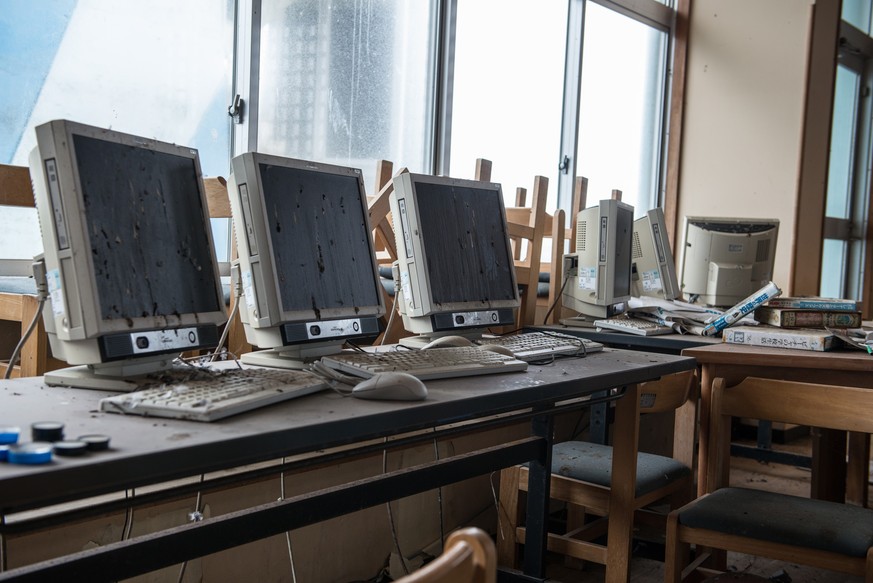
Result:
149,451
831,478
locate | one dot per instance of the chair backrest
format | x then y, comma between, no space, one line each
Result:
469,557
815,405
15,191
529,224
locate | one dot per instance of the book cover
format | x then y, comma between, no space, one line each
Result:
814,303
747,306
793,318
798,339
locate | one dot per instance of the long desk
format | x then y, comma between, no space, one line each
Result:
151,451
831,479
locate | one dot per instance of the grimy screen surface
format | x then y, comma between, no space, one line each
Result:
147,230
464,235
320,240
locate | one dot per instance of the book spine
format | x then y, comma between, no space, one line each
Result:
788,318
775,339
741,309
813,305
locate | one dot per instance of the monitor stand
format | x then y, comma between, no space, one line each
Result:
122,376
295,357
589,313
579,321
442,339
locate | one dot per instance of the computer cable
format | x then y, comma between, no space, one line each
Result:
195,516
391,314
558,296
127,528
39,277
436,456
391,514
236,280
287,532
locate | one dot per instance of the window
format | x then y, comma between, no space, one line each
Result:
126,66
347,82
506,102
848,186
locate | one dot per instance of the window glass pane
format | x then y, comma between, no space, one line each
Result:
620,117
508,78
347,82
833,268
840,166
857,13
124,65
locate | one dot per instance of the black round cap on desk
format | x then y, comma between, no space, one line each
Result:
50,431
70,448
95,442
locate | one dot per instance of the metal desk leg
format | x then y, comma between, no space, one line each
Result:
598,425
539,481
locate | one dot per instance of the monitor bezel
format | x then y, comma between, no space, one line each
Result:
247,166
74,263
410,248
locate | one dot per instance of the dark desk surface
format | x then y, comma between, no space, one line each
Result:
152,450
664,343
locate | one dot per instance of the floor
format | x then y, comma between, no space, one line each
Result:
748,473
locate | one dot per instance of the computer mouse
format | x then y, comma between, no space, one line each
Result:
497,348
448,341
391,386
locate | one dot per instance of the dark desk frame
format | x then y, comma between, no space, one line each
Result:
149,451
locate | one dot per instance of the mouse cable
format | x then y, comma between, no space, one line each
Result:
339,382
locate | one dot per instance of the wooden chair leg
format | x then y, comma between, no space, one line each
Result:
508,517
676,554
576,516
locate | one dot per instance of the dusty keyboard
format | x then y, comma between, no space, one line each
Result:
433,363
630,325
208,395
534,346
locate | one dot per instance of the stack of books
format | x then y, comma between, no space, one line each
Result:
800,323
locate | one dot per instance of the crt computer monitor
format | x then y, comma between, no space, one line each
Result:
454,260
308,266
653,271
130,264
599,272
725,260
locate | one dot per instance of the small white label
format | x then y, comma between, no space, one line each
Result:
333,329
56,293
735,248
160,340
587,278
404,286
652,280
249,290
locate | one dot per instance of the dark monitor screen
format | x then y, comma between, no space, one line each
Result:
144,217
463,231
320,239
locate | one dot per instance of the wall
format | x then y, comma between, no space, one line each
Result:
743,121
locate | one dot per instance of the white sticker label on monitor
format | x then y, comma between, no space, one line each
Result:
333,329
735,248
56,293
160,340
587,278
652,280
248,290
407,291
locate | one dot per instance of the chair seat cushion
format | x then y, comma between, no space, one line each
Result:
17,285
592,462
781,518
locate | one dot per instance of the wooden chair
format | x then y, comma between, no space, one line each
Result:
528,225
818,533
469,557
18,300
582,478
219,208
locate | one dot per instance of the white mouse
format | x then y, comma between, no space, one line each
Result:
391,386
